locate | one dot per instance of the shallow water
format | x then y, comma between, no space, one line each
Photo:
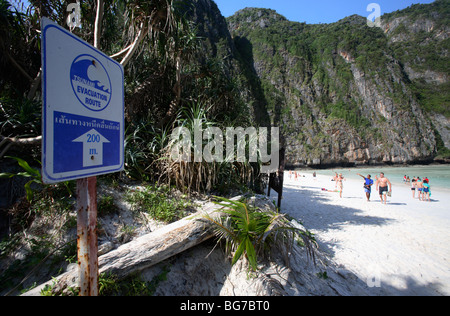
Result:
439,175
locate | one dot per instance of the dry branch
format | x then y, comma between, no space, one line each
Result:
147,250
11,141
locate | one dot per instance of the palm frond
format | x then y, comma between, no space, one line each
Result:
254,233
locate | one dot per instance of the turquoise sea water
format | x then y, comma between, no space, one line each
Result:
439,175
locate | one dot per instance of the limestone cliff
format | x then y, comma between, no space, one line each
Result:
345,93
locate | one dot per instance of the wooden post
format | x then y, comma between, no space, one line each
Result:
276,180
87,243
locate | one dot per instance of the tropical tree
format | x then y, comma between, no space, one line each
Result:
167,74
120,28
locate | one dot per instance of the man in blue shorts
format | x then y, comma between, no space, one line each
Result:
385,187
368,182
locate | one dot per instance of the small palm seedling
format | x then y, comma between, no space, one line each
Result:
247,230
33,174
28,172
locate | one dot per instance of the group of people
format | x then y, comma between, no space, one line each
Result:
339,186
295,175
422,186
383,186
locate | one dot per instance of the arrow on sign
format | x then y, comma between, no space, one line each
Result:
92,148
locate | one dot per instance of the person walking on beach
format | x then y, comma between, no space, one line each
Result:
335,179
426,192
340,184
384,186
368,182
413,187
419,186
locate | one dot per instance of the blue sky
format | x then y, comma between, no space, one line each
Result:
315,11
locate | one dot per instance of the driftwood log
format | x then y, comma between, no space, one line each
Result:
145,251
155,247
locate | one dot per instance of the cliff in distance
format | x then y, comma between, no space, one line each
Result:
348,94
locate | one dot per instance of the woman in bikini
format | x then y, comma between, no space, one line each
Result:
413,187
340,184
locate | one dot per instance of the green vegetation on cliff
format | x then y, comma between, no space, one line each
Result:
380,84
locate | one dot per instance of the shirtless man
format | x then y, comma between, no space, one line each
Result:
419,186
383,185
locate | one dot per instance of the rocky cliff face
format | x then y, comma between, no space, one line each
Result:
212,28
343,93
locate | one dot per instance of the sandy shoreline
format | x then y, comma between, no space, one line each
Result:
402,248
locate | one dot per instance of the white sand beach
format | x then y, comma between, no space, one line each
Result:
402,248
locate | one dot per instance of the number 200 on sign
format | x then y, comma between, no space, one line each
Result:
93,138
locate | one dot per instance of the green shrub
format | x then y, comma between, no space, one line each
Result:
249,231
160,201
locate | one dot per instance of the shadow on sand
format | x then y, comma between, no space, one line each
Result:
310,204
307,205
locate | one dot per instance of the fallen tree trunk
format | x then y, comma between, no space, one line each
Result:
145,251
155,247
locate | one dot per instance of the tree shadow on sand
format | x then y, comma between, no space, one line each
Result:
312,207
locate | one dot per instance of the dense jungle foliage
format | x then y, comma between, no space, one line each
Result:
171,77
311,73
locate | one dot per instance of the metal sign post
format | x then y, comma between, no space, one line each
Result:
82,128
87,236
